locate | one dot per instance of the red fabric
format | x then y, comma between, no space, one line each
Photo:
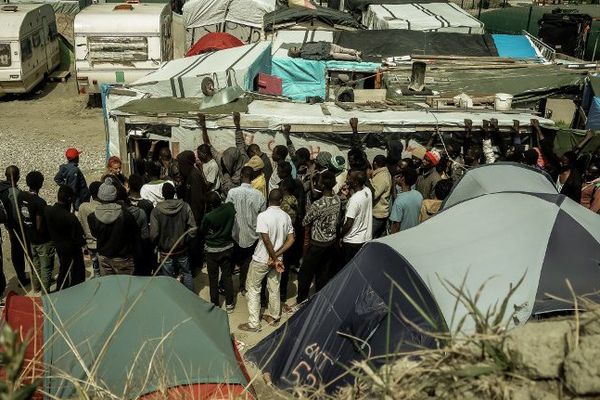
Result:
25,316
269,84
212,391
205,391
214,41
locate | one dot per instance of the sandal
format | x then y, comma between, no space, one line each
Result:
270,320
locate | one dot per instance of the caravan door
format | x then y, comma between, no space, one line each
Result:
51,43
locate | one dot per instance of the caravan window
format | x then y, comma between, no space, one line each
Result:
36,39
5,55
117,49
26,50
52,31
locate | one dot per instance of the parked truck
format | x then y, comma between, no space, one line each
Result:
120,43
29,48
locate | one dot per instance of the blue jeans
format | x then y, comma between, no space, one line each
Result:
179,265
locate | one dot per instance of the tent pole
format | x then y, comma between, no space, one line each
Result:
529,18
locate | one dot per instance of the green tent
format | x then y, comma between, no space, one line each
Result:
135,335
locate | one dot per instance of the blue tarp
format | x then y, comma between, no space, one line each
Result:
514,46
304,78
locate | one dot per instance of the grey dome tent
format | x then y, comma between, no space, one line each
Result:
499,177
495,240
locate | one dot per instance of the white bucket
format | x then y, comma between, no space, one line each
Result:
503,101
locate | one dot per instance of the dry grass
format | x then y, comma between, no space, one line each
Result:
23,376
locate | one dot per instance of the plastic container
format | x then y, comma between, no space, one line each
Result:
503,101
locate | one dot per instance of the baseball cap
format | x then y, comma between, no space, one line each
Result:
72,153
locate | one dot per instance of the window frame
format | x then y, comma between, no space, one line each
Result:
26,55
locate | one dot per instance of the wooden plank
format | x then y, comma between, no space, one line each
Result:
138,120
367,95
175,149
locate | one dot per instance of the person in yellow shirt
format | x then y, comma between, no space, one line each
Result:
259,181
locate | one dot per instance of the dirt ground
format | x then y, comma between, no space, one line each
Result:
35,131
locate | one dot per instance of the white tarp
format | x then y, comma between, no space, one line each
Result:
199,13
440,17
272,115
183,77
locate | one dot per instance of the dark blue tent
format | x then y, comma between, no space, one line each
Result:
353,305
492,241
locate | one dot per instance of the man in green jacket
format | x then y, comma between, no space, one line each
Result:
217,226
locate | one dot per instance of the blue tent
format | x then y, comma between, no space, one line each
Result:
397,287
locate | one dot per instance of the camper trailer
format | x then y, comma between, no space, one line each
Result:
28,46
120,43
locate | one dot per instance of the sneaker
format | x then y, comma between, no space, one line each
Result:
246,327
229,308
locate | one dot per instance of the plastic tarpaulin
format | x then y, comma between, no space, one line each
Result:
320,131
379,44
61,6
304,78
525,84
183,77
441,17
199,13
362,5
514,46
292,16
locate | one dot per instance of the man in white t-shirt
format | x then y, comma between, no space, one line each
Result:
152,191
210,168
276,236
358,226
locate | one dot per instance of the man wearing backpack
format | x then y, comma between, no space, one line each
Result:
9,193
69,174
41,248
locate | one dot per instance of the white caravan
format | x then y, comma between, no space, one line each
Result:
29,49
120,43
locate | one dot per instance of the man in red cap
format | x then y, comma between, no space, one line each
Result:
429,176
70,175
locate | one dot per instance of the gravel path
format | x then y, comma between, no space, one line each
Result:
35,131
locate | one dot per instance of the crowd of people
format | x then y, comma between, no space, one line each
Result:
262,216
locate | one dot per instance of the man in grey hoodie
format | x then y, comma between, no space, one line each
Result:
172,227
116,232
